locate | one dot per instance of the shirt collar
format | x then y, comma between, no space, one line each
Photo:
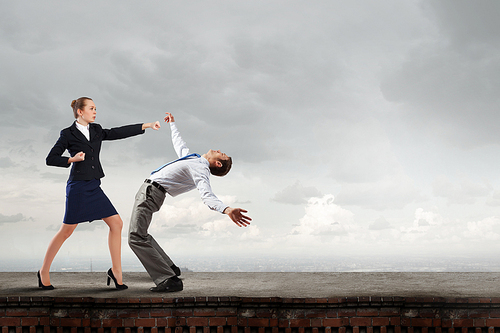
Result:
81,127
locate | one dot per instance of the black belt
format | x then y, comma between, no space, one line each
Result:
155,184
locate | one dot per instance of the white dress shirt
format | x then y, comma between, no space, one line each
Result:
84,130
185,175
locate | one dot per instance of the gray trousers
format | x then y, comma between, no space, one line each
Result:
148,200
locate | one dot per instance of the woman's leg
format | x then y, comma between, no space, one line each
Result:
55,244
115,224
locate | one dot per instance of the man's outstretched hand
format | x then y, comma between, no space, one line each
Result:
169,118
236,215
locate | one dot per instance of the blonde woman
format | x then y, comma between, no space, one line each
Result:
85,200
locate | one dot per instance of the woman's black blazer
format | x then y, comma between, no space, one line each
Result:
74,141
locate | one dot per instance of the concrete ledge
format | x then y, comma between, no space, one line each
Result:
281,285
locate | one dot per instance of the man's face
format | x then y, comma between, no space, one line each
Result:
217,155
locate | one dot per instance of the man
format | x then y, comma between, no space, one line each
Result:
190,171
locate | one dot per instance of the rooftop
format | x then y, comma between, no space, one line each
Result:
293,285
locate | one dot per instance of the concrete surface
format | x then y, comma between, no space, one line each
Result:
296,285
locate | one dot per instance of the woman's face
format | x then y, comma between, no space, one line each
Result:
89,112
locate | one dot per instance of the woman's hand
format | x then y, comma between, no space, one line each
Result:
77,158
156,125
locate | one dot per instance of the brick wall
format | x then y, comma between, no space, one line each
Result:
249,315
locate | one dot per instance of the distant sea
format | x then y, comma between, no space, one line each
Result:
273,264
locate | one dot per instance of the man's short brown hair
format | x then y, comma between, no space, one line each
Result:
224,169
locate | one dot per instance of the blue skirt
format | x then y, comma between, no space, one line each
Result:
86,202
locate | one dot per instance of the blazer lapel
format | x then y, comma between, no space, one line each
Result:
79,135
94,135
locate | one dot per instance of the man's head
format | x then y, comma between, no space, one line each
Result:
220,163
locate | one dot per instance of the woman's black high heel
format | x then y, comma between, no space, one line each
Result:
40,284
112,276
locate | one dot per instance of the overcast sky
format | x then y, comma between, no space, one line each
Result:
356,127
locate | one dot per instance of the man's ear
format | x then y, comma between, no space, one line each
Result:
218,164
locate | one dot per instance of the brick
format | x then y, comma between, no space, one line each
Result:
217,321
446,323
265,313
493,322
145,313
316,322
258,322
283,323
332,313
29,321
16,312
182,312
479,322
381,321
360,321
128,322
462,322
112,322
335,322
405,321
204,313
126,313
226,312
71,322
388,312
347,312
10,321
300,323
367,312
145,322
160,313
315,313
395,321
197,321
421,322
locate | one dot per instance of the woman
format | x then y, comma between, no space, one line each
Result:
85,200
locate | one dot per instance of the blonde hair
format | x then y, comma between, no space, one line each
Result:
79,104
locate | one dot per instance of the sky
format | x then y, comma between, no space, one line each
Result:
356,128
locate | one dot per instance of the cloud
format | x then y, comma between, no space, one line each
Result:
380,224
447,86
463,192
296,194
6,162
388,193
487,229
14,218
324,218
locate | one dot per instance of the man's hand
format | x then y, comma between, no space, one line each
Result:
169,118
156,125
236,215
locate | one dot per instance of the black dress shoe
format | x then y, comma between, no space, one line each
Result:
41,285
176,270
169,285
